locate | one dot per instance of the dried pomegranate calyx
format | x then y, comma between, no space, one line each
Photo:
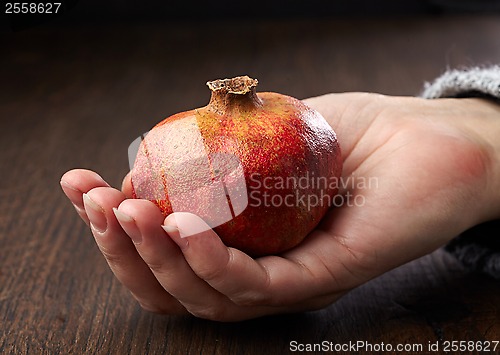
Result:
233,96
238,85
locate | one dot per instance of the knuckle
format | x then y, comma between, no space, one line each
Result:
114,258
217,271
156,267
210,274
260,295
253,298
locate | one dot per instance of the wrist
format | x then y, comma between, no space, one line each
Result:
480,122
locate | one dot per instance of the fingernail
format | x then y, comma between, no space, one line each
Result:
129,225
122,217
188,224
170,229
181,242
65,185
95,213
72,193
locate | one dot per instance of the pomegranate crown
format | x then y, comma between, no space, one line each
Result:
238,85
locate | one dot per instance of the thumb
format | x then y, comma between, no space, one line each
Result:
349,114
127,185
337,106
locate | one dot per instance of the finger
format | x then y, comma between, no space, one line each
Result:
75,183
170,268
228,270
120,253
268,281
127,185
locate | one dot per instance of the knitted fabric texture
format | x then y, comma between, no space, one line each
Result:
479,247
465,83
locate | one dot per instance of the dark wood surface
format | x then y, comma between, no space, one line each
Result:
77,96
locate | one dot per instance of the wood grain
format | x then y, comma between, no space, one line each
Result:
77,96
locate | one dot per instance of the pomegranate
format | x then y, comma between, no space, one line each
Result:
260,169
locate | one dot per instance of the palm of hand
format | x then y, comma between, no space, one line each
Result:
417,163
418,170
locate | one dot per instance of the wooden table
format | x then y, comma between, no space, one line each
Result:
77,96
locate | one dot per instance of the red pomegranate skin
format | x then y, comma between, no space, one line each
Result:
221,160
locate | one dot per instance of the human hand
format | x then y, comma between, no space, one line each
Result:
435,172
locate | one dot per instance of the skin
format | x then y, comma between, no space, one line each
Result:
437,167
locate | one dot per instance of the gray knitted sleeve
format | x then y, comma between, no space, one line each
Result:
465,83
479,247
